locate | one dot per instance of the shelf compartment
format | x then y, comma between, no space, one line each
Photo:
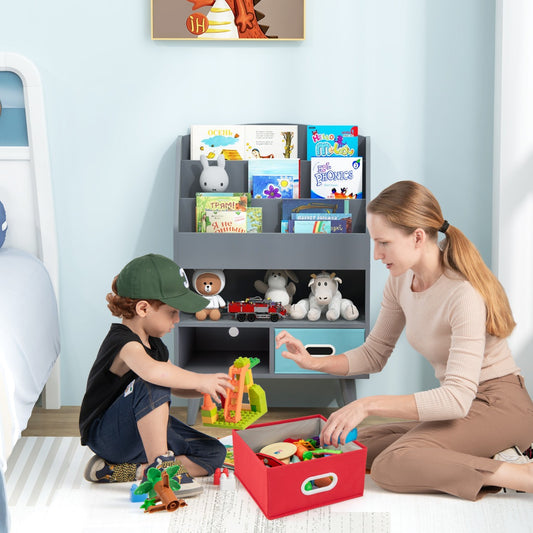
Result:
240,285
215,350
271,215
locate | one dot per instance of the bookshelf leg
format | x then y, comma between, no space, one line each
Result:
348,390
193,406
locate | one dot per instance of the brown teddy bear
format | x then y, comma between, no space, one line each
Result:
209,283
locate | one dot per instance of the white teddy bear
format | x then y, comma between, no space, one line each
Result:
277,287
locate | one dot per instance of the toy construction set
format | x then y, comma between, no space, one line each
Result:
281,464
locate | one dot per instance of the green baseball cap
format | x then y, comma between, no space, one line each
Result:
155,277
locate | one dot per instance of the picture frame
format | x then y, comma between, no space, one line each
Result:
222,20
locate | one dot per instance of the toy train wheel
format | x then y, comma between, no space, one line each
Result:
251,317
274,318
241,317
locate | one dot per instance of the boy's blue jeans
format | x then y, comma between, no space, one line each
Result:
115,437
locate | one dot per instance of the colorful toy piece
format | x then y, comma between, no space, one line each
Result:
134,497
302,446
282,451
350,437
319,452
269,460
235,414
160,486
227,480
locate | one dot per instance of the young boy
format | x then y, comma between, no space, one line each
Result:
124,415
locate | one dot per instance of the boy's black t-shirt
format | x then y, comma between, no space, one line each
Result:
104,387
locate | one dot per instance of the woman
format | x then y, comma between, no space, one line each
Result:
456,314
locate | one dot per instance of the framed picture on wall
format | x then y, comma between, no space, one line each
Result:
228,19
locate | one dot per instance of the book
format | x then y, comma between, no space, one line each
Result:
325,216
271,141
282,174
218,202
315,205
254,220
213,194
214,140
238,142
225,221
335,177
317,226
229,461
332,141
273,187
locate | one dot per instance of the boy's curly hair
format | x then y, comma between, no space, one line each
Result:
123,307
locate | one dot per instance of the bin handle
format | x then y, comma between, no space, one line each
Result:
308,488
320,350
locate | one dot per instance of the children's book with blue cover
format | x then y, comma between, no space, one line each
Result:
274,178
315,226
347,217
315,205
332,141
273,187
318,226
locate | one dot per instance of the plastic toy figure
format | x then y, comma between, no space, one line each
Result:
160,486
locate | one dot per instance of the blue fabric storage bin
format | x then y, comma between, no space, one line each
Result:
318,341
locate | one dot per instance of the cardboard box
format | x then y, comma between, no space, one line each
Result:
281,490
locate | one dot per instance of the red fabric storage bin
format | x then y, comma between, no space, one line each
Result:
279,490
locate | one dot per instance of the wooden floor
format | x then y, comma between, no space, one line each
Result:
64,422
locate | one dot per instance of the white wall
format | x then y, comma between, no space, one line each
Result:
416,75
513,171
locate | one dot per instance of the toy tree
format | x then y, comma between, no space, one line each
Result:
160,487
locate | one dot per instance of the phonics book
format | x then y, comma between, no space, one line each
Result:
335,177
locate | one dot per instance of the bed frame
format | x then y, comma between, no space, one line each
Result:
28,198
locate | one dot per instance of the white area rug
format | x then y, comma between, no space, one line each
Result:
46,490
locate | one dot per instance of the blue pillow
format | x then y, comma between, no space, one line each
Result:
3,224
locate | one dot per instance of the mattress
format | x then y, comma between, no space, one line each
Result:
29,341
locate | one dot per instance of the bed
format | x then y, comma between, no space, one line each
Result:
29,324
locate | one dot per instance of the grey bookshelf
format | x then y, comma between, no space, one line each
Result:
210,346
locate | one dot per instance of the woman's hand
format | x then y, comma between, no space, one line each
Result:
341,422
296,351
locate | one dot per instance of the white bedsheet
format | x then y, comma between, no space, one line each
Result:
29,341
